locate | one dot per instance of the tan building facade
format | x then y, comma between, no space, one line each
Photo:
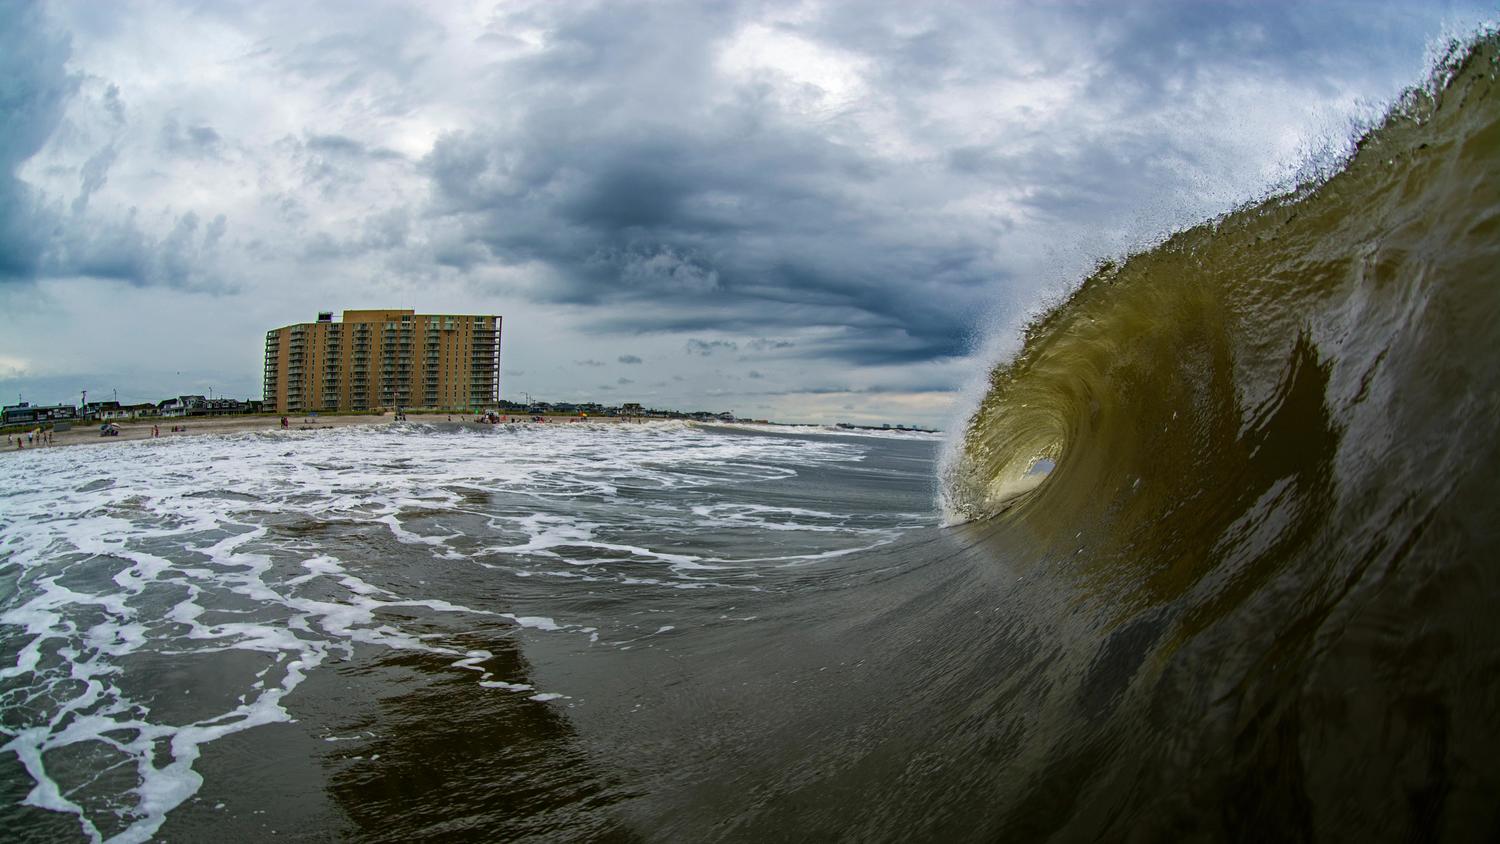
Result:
379,359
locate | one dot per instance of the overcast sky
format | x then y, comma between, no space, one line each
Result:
801,211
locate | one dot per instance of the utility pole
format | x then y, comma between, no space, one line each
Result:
85,401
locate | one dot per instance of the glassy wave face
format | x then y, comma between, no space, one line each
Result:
1263,454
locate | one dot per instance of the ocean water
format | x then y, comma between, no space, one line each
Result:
1216,557
333,632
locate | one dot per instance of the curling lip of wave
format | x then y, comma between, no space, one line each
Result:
1203,329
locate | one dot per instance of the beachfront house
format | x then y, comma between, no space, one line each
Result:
182,406
106,411
200,406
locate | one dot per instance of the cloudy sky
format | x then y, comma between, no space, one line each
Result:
803,211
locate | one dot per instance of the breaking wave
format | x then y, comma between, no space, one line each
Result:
1267,449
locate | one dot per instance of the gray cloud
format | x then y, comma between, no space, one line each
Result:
763,344
36,88
708,347
340,145
93,175
119,250
36,238
192,141
686,204
630,359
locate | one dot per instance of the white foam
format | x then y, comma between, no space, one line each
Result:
193,526
509,687
535,622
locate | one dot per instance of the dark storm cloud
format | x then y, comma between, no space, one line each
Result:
34,88
711,229
119,250
639,183
640,189
36,237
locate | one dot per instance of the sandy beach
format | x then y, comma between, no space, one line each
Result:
87,433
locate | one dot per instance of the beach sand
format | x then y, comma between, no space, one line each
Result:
87,433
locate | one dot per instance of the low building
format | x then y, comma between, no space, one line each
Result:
105,411
29,414
182,406
229,407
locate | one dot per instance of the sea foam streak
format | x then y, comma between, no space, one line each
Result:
129,559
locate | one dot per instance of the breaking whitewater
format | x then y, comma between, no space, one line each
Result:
1226,570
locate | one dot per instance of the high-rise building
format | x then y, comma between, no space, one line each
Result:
377,359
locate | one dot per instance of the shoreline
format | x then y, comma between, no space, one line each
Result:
87,433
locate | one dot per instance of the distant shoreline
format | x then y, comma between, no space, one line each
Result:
87,433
